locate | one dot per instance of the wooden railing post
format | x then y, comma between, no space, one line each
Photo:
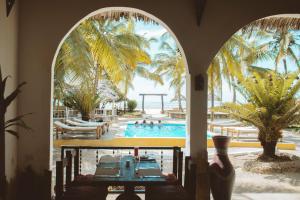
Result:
76,162
59,188
69,168
180,166
175,167
187,172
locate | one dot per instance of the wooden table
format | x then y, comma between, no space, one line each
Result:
129,179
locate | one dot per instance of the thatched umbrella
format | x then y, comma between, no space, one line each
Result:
278,23
119,15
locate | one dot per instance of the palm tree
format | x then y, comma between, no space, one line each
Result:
282,46
171,64
214,80
99,48
280,39
228,62
272,105
82,99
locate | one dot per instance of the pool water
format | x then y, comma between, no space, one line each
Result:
156,130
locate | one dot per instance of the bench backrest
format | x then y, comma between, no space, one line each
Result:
190,176
178,164
61,177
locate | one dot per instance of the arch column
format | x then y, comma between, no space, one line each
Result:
197,125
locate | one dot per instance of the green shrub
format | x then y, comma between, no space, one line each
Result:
131,104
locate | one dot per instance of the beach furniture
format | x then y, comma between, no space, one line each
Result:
62,128
104,125
223,125
237,131
106,117
108,123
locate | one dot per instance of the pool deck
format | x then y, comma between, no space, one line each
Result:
116,137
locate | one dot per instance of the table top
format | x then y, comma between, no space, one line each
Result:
128,175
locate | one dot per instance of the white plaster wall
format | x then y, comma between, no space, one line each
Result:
8,62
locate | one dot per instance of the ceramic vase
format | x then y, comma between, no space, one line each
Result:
222,174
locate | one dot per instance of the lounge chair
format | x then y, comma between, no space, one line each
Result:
107,123
103,125
88,122
241,130
62,128
223,125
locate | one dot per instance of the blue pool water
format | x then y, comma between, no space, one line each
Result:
157,130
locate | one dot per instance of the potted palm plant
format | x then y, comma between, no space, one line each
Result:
82,99
271,105
6,126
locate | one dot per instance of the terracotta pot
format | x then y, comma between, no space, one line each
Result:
222,174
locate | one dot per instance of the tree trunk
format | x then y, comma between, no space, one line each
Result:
234,95
269,149
54,102
285,66
125,106
212,102
97,76
179,101
85,116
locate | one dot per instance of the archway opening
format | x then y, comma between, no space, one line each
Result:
253,97
101,66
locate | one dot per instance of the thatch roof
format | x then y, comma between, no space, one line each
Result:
118,15
278,23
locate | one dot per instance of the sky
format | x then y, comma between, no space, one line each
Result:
142,85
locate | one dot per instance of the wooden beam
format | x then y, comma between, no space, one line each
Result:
200,5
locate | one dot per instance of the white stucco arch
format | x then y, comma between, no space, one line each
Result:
133,10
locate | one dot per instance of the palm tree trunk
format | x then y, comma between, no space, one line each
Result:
212,97
212,103
54,102
221,92
125,105
85,116
269,149
234,95
285,66
57,105
179,100
96,81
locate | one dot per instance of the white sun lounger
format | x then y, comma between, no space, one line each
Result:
88,122
223,125
103,125
62,128
241,130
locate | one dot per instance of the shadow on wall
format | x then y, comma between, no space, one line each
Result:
33,186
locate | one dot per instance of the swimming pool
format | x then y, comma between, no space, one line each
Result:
156,130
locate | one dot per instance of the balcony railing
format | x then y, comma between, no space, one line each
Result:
73,157
64,113
166,156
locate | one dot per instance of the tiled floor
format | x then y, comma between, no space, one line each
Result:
243,196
